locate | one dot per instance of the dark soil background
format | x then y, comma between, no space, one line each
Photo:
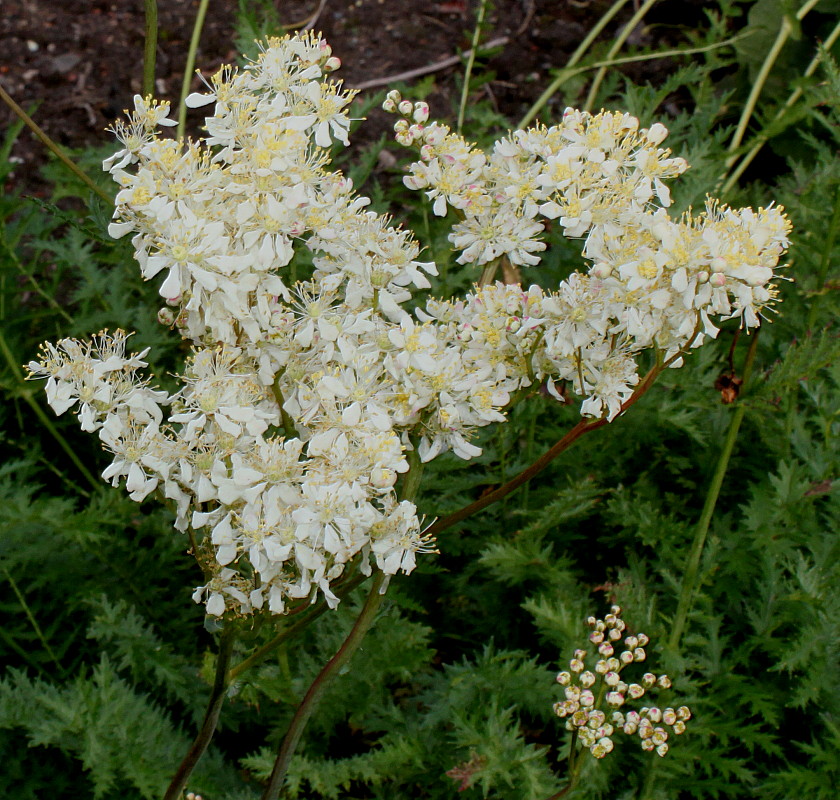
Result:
75,64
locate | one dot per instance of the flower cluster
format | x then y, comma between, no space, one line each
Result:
587,691
306,402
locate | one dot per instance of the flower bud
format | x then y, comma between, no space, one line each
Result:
166,316
563,678
421,112
332,64
656,133
405,107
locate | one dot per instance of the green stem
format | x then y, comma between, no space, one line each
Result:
190,66
211,716
582,427
825,259
42,417
567,72
150,48
758,85
564,74
792,99
53,147
269,647
488,274
465,90
45,296
617,45
693,563
31,617
332,668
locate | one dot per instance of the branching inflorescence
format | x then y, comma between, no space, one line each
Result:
305,403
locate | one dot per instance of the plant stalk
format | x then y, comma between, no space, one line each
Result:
269,647
319,686
582,427
573,59
465,90
150,48
617,45
52,146
794,96
211,716
758,85
190,66
693,563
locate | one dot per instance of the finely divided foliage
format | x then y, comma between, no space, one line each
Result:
304,402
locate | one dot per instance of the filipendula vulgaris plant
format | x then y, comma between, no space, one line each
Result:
307,408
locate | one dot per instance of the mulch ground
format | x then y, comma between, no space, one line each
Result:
75,64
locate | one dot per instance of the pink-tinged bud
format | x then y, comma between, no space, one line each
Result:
669,716
635,691
625,657
664,682
427,153
166,316
405,138
605,649
718,280
684,713
400,125
405,107
662,750
615,699
601,271
563,678
639,654
648,679
596,637
421,112
389,105
332,64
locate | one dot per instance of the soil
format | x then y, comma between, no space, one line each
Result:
75,64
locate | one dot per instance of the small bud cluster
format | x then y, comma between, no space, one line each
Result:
586,689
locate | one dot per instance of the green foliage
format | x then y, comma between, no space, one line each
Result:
107,668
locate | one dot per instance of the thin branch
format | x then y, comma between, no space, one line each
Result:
320,684
582,427
445,63
211,716
150,48
52,146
